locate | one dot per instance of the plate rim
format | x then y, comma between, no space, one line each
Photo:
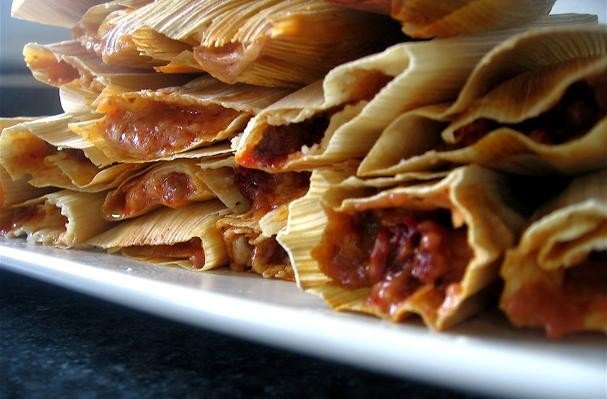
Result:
486,365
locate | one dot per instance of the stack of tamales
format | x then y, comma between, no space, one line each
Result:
394,157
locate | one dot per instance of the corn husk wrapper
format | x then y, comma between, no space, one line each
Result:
18,190
411,142
298,238
575,36
427,18
250,238
218,162
167,227
562,235
68,64
265,43
45,153
156,186
220,180
475,197
92,33
229,107
62,219
61,13
251,244
377,89
76,99
176,56
118,38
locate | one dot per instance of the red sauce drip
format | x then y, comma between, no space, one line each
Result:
394,252
147,129
279,142
268,191
562,300
580,108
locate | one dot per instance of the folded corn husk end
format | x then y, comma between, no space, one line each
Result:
165,227
502,148
476,199
576,38
424,19
305,223
62,219
562,235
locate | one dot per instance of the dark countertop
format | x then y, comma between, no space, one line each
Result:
58,343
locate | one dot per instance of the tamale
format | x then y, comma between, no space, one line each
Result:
265,43
250,238
17,190
173,184
427,18
152,125
186,237
555,278
534,114
430,247
46,153
68,64
342,116
63,219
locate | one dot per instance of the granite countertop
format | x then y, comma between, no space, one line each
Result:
57,343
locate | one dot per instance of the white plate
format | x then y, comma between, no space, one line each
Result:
483,355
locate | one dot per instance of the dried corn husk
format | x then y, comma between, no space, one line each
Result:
174,184
408,143
151,237
155,125
177,56
251,237
110,31
18,190
59,13
265,43
219,178
359,99
475,197
427,18
45,153
92,33
69,64
75,99
414,141
305,224
251,247
62,219
218,162
533,49
559,241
